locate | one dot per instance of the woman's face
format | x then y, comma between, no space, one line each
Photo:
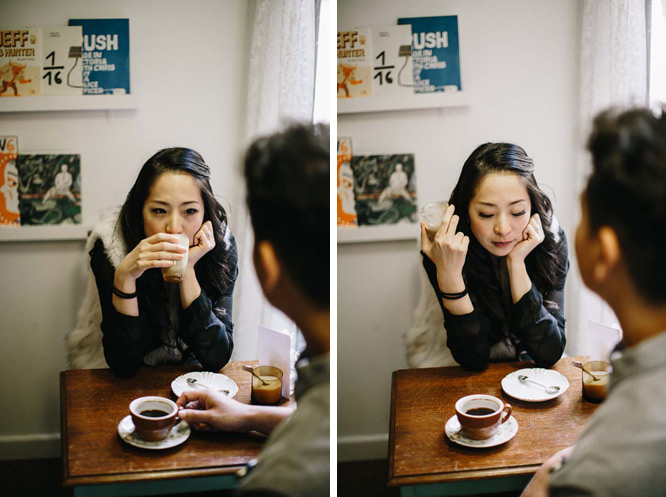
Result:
174,205
499,212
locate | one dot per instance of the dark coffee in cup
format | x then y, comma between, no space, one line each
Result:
154,413
479,411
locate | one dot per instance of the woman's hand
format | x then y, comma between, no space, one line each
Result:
157,251
533,235
204,242
448,251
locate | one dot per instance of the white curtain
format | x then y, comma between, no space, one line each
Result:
613,73
280,90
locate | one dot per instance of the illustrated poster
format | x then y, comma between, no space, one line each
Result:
50,189
392,68
385,189
20,62
354,64
435,53
106,63
9,199
61,60
346,202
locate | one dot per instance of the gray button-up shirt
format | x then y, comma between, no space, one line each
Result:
622,451
296,458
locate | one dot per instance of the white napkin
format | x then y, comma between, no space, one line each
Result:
602,340
274,349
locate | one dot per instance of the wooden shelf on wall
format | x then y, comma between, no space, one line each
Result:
369,234
44,233
59,103
416,101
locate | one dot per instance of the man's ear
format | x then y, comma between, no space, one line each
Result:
268,266
609,254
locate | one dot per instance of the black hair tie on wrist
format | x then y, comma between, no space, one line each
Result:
453,296
123,295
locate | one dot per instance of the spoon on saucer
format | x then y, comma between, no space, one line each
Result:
249,369
549,390
194,382
580,365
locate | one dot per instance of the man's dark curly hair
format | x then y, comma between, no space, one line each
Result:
627,192
288,192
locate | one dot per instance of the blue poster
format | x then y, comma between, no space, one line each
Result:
105,55
435,53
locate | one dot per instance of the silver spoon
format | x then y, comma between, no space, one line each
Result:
550,390
250,369
580,365
194,382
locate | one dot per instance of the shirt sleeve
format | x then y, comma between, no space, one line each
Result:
125,338
207,329
467,334
541,329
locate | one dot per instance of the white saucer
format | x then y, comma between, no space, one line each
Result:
177,436
530,392
504,433
215,381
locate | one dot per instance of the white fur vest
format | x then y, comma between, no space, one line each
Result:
84,343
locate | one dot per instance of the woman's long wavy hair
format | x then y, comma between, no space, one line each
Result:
215,271
543,264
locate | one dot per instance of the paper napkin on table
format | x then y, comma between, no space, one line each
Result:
274,349
602,340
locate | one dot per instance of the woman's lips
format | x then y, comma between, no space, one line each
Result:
501,244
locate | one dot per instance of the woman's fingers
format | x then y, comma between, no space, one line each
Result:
446,219
453,225
426,244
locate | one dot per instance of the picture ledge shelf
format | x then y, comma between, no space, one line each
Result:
56,103
368,234
416,101
44,233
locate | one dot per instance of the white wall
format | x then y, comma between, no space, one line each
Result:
188,72
519,63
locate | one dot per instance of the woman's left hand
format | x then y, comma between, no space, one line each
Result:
533,235
204,242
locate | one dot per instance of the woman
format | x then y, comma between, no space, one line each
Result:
145,320
498,263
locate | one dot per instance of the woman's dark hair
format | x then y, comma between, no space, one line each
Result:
627,192
215,272
542,263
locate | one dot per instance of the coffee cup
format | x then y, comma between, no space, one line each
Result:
595,388
153,417
432,215
176,272
481,415
268,391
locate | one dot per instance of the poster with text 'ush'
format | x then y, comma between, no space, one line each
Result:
435,53
106,63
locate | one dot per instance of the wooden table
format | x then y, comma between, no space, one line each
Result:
96,462
423,461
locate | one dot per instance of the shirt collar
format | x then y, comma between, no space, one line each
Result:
639,359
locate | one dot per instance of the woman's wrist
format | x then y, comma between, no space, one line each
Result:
451,284
124,283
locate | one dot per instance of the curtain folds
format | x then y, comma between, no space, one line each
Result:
280,90
613,73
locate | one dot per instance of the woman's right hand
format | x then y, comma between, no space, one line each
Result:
448,251
157,251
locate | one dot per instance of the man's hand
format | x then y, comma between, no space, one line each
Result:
206,410
538,486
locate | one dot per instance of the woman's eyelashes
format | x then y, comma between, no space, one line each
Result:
188,212
514,214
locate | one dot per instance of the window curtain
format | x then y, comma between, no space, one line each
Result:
613,73
280,90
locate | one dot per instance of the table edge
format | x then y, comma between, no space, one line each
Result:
391,450
64,451
151,476
472,475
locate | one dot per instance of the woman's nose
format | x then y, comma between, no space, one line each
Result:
174,224
502,227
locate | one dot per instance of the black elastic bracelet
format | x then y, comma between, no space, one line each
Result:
123,295
453,296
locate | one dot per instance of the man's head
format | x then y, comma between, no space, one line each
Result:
288,178
624,204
